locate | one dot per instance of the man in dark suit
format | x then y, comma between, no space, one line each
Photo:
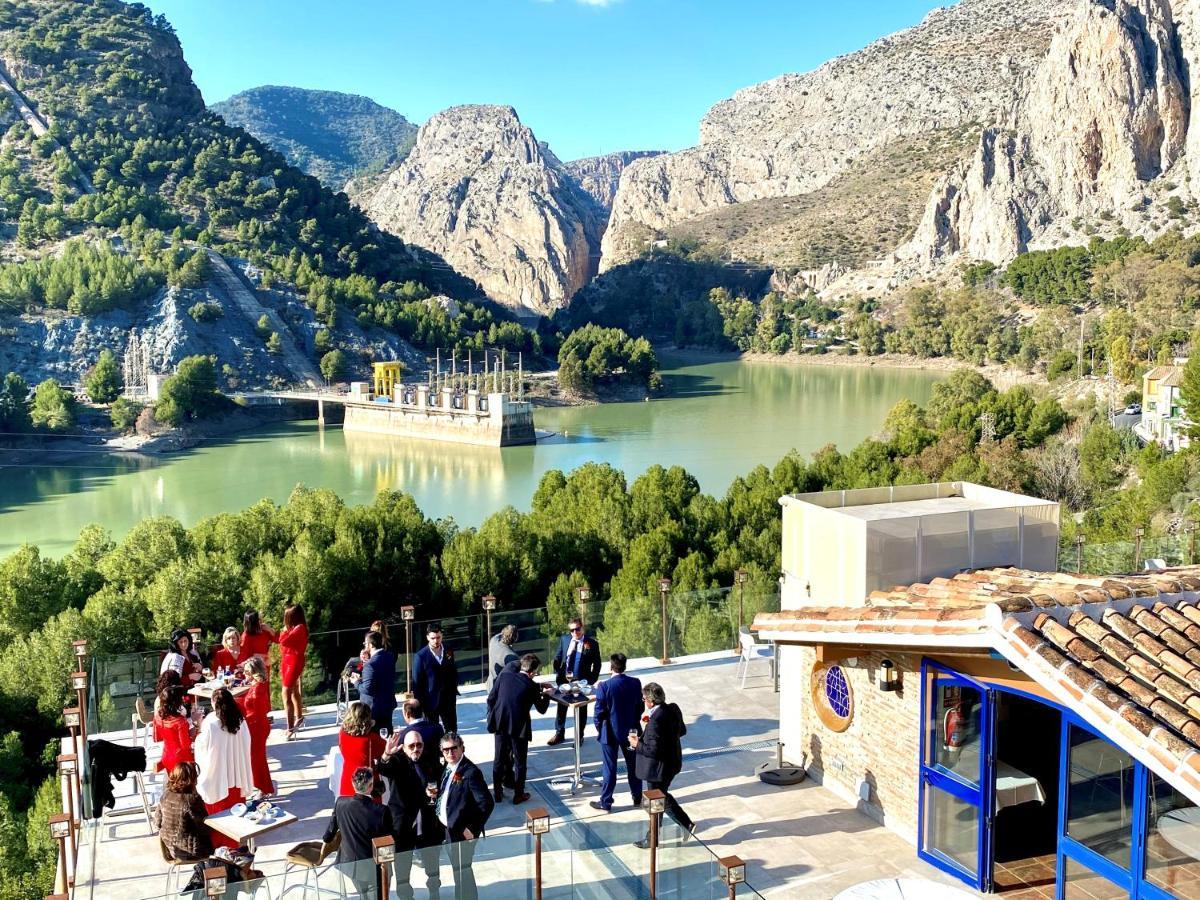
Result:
509,701
463,805
435,680
359,820
430,732
501,653
577,659
377,688
660,751
414,824
618,711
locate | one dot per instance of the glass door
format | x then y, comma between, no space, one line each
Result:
956,784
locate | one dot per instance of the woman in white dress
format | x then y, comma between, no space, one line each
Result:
222,752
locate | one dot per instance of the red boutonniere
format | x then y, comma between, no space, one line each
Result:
456,778
587,645
646,719
449,654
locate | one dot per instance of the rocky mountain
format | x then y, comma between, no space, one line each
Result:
330,135
480,190
599,175
988,129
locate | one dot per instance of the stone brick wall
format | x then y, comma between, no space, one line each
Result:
881,746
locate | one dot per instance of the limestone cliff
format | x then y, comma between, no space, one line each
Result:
1107,114
480,190
962,65
1058,118
600,175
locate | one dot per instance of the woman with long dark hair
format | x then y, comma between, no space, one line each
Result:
293,641
182,657
223,754
256,704
257,638
173,726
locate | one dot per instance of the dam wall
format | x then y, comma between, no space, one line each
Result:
492,420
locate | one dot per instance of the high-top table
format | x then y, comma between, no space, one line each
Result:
579,704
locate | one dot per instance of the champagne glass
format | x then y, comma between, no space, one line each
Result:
431,789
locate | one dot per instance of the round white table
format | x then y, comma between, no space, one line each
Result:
902,889
1181,829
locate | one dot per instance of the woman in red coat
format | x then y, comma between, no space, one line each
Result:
360,746
173,727
256,638
256,705
293,641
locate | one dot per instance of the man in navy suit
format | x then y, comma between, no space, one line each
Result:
377,688
462,805
577,659
435,680
513,695
618,711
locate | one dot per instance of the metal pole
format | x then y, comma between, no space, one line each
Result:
71,813
1137,547
1192,544
654,856
665,659
537,867
1079,553
82,717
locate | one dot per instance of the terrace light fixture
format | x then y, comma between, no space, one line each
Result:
732,872
216,879
889,678
664,588
537,823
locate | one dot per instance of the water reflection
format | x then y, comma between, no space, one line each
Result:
720,420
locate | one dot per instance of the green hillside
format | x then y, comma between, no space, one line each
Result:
331,136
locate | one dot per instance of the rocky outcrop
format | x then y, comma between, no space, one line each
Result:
1107,114
481,191
600,175
963,65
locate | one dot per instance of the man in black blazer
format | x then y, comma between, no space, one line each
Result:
577,659
359,820
660,751
435,680
377,688
463,805
512,696
413,822
431,736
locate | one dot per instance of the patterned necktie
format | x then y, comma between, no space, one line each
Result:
573,658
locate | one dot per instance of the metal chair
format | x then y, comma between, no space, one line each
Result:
174,865
314,857
752,650
142,720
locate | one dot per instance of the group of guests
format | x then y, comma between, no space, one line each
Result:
633,721
413,783
218,759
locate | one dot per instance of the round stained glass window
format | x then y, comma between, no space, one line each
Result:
837,691
832,698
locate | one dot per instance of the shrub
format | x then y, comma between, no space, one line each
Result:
206,311
103,382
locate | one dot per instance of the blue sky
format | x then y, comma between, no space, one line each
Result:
589,76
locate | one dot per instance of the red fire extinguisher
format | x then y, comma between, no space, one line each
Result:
954,727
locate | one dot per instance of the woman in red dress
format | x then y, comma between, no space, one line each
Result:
256,705
257,638
228,653
293,641
173,727
360,746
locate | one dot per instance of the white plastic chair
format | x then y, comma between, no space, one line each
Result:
1154,565
752,650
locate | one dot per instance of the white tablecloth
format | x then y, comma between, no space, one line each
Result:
1014,787
1181,829
902,889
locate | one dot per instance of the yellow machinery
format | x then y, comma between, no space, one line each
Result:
387,376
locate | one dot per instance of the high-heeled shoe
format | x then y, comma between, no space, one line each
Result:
299,724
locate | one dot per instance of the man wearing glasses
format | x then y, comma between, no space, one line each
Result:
414,825
577,659
462,804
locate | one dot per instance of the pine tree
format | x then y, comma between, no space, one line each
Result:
103,383
1189,394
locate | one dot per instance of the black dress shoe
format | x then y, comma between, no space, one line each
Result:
499,795
558,738
643,844
518,799
596,804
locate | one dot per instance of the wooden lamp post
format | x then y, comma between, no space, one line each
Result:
654,802
740,577
537,822
584,593
664,588
408,613
732,871
79,682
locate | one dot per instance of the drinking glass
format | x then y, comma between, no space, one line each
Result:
384,732
431,790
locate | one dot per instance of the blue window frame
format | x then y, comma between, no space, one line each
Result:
1106,799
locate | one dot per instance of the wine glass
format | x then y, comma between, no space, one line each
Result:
431,790
384,732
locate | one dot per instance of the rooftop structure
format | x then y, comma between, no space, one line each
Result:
839,546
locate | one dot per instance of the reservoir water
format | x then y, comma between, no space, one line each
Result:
719,420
